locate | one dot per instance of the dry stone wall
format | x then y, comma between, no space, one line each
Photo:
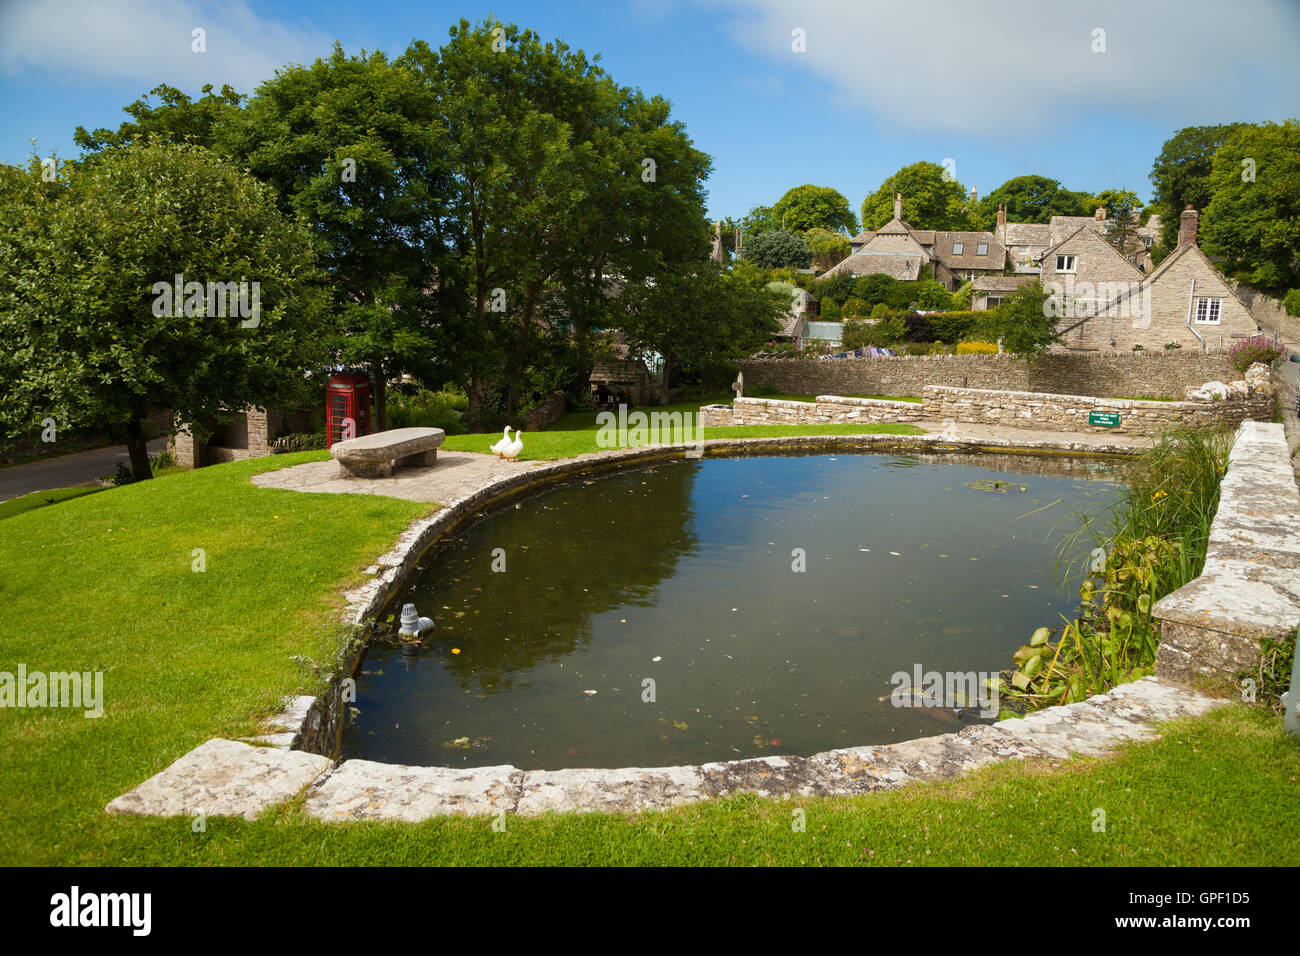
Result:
1205,405
1099,374
1071,413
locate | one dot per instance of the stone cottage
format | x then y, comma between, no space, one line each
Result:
901,252
1186,300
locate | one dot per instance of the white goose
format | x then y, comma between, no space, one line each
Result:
501,446
512,450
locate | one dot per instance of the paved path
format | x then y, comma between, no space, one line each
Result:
66,471
456,475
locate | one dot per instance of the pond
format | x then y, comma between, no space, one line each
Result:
724,608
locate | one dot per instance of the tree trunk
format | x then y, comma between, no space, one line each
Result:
380,395
516,369
138,449
474,413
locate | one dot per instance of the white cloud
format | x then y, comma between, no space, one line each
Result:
149,41
970,66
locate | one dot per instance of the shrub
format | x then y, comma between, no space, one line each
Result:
1292,302
1257,348
855,307
931,294
976,348
778,248
830,310
918,328
426,409
952,326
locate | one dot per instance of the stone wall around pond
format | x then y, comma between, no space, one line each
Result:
1249,589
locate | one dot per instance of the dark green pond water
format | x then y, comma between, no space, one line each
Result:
683,574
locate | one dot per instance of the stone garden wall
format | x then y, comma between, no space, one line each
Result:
1146,374
551,408
1206,405
1070,413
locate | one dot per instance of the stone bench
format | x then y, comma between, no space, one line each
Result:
375,456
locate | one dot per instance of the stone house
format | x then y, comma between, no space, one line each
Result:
1186,300
901,252
1085,271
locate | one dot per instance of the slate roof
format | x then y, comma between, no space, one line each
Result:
1001,283
1062,227
994,257
1029,234
865,264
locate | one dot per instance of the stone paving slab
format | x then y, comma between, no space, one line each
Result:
365,790
223,778
610,790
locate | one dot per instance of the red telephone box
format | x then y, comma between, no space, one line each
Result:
347,399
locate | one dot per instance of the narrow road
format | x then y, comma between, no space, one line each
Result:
66,471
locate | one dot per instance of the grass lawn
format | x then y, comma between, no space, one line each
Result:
575,433
105,582
40,499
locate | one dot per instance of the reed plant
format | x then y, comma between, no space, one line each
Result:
1151,542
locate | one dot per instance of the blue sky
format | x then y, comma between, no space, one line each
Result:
1001,88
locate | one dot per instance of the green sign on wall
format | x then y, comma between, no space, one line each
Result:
1109,419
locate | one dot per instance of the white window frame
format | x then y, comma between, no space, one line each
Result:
1071,263
993,301
957,246
982,249
1209,310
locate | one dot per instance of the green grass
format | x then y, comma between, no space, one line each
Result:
1181,801
104,582
575,433
41,499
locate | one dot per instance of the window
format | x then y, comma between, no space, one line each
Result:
1207,310
957,247
1065,263
994,301
982,249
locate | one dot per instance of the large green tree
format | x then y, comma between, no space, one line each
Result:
95,335
356,147
1253,217
1032,199
559,178
814,207
700,318
1181,174
931,199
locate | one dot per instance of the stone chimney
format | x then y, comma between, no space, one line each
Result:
1187,227
974,197
1002,223
1100,214
898,206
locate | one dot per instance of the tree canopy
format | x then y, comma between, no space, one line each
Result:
931,199
1032,199
778,248
1253,217
814,207
97,332
1181,174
